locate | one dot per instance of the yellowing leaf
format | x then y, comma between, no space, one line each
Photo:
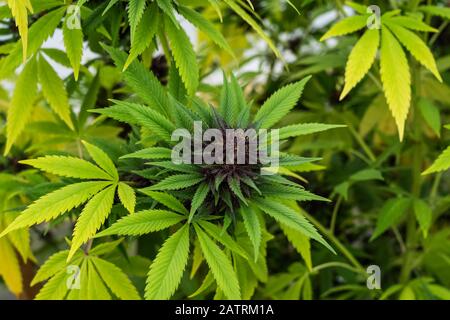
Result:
73,42
54,91
346,26
19,10
39,32
22,101
9,267
417,47
396,79
361,59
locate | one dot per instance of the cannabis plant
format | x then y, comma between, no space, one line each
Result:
215,208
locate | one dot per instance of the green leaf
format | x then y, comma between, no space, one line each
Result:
231,100
253,228
177,182
198,199
73,42
443,12
52,266
346,26
168,267
184,168
56,203
96,289
184,56
417,47
105,248
206,27
167,7
38,33
223,237
22,102
396,79
150,153
135,11
411,23
361,9
142,81
302,129
290,217
247,18
142,115
68,167
220,266
441,164
361,60
109,6
143,222
289,192
300,242
127,196
168,200
19,10
235,186
216,6
145,31
430,112
115,279
92,217
389,215
102,160
279,104
424,215
55,288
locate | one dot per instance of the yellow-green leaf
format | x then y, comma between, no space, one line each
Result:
9,267
54,91
168,267
92,217
127,196
22,102
102,160
417,47
361,59
346,26
73,42
396,79
19,10
441,164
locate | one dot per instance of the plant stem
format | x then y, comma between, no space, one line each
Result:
334,216
411,230
334,240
